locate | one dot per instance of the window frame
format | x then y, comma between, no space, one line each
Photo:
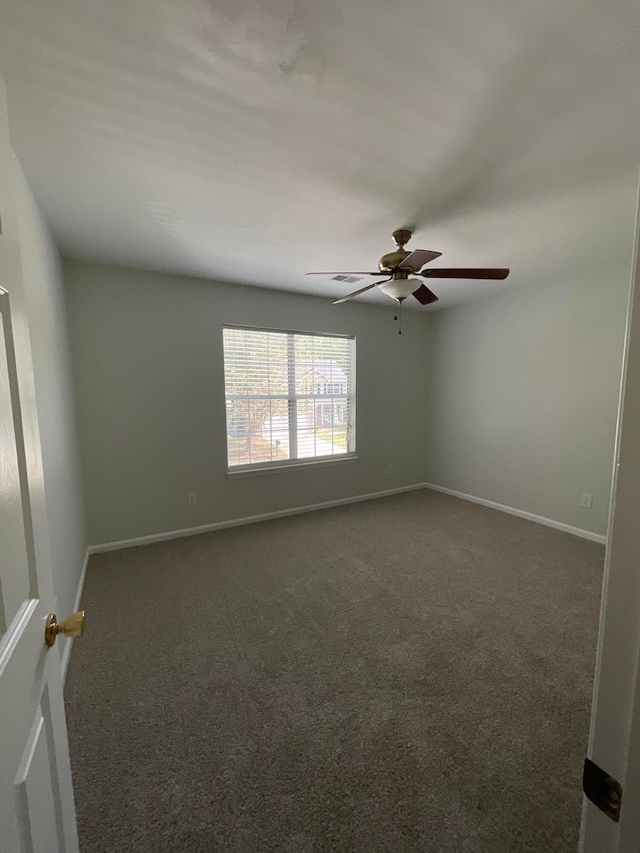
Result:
254,468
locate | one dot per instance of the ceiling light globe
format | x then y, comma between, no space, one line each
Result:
400,289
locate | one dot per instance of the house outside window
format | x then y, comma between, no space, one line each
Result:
290,397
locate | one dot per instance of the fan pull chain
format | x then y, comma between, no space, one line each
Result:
398,315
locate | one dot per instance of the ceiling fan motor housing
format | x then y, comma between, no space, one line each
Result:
389,262
392,260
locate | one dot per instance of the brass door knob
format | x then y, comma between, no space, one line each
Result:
73,626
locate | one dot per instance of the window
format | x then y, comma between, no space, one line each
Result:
289,396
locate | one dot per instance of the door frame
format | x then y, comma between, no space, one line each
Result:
614,739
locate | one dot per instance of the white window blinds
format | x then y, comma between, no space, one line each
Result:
289,396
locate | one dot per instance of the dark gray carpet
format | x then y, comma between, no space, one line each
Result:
410,673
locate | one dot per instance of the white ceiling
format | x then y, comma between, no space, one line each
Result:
253,140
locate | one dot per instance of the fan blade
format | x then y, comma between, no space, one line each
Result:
346,273
418,258
424,295
466,273
357,292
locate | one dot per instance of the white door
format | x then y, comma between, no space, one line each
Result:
614,744
36,797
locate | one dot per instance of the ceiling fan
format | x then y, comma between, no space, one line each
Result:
398,266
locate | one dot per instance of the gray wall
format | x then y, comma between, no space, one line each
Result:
46,312
524,391
511,398
147,353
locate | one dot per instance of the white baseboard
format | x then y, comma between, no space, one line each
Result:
539,519
268,516
64,661
249,519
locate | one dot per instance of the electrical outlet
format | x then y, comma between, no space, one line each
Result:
191,499
586,501
390,469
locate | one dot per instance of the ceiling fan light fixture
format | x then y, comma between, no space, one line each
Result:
400,288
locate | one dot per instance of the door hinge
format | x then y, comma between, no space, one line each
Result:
603,790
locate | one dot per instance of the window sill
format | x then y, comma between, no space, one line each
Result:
291,466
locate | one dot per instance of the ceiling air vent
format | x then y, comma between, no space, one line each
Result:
350,279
